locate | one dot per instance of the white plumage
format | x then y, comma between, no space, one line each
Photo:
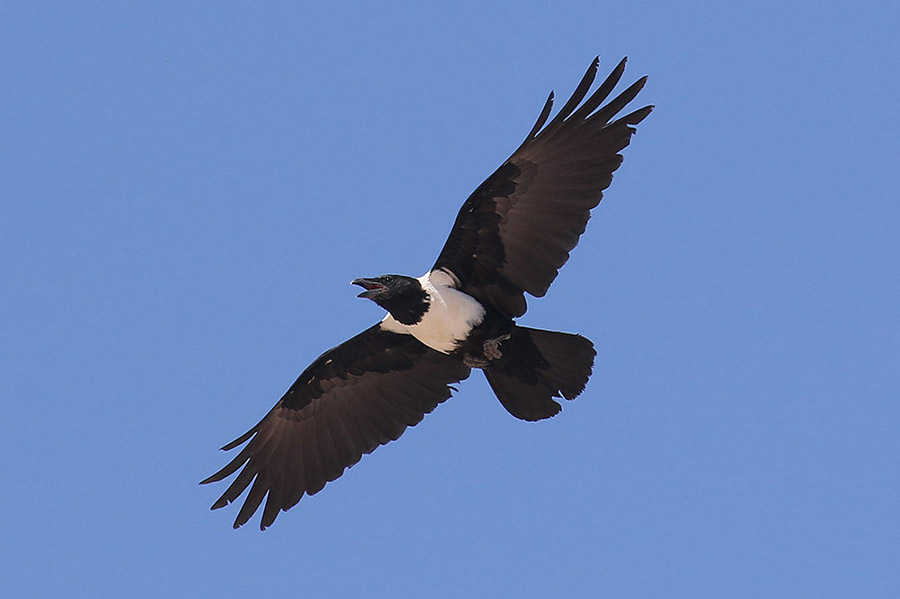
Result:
451,314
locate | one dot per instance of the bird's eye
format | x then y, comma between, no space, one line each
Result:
388,279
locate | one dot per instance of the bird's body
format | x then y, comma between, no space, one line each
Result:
450,316
511,237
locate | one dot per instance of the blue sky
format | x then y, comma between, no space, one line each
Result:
188,189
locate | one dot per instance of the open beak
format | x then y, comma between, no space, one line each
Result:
371,286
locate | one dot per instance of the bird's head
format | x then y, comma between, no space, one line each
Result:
400,295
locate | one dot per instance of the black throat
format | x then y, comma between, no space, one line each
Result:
409,307
402,296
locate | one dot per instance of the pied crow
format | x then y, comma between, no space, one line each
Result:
511,237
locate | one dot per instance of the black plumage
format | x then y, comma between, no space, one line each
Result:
511,237
353,398
516,230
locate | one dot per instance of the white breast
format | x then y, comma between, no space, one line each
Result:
450,317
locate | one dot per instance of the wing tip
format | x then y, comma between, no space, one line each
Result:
577,108
240,440
216,477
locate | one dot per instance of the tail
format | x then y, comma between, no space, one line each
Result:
536,366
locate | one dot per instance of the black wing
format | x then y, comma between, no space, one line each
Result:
516,230
353,398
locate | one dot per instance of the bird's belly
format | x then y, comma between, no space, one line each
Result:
450,318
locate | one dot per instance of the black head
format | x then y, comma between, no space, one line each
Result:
400,295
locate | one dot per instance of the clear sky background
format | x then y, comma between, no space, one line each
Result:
188,188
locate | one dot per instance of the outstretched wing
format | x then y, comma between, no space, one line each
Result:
516,230
353,398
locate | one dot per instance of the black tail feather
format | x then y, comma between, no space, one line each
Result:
537,366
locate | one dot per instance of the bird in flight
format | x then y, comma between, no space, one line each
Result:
511,237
